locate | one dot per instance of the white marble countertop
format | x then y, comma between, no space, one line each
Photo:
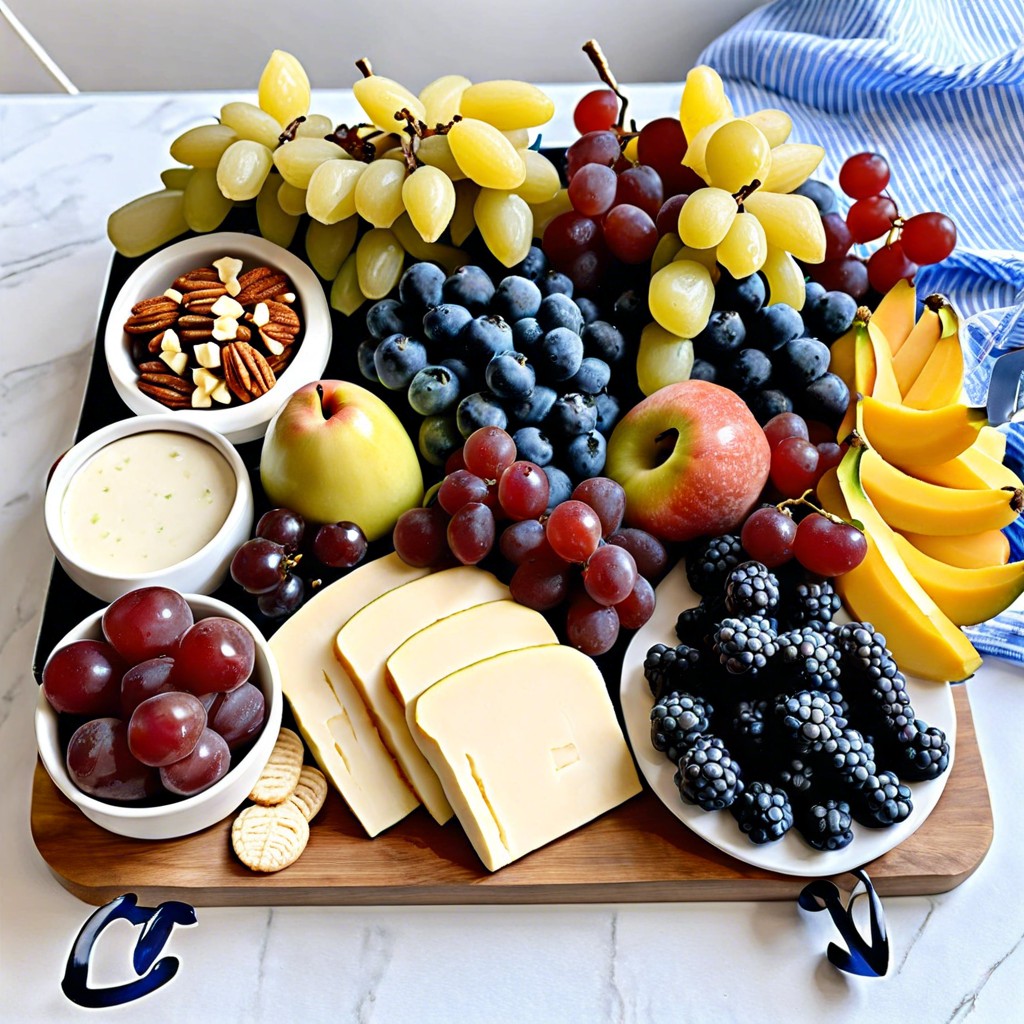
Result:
64,165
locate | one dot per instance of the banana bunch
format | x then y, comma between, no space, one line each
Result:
746,220
925,476
453,159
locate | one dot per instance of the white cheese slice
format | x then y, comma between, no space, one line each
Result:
328,709
527,746
460,640
366,641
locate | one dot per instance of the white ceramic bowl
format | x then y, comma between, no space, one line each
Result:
202,572
238,423
191,814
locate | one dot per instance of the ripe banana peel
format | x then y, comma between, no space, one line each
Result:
906,436
862,358
992,442
973,551
896,313
883,591
972,469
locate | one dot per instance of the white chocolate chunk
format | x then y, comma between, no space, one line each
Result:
200,400
225,328
261,314
228,269
169,342
221,393
204,380
173,293
226,306
208,354
287,297
177,361
275,348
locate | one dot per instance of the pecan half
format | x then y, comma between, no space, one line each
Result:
279,362
284,315
156,314
168,389
193,327
201,300
247,373
195,280
152,366
260,284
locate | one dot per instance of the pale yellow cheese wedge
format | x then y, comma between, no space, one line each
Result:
364,644
527,746
329,710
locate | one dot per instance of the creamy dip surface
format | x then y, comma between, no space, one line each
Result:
146,502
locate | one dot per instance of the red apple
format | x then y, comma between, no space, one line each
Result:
691,459
335,452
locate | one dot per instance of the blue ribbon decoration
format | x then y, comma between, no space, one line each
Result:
158,923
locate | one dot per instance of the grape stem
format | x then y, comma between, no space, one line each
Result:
592,48
746,191
784,506
288,135
365,67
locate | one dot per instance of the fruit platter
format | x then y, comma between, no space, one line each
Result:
457,519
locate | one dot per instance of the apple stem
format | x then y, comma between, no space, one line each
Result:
320,394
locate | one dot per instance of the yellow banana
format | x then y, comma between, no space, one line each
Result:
940,380
896,314
882,590
907,503
970,470
965,596
872,370
909,361
906,436
992,442
972,551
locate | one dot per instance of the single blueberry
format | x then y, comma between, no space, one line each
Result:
516,298
766,404
433,390
585,455
801,361
559,486
398,359
484,338
420,286
479,410
750,370
591,378
571,415
607,412
745,294
439,436
532,444
589,309
560,354
703,370
364,356
554,283
534,264
470,287
559,311
723,335
443,323
385,318
603,340
534,410
509,375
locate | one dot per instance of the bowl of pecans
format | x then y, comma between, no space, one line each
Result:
219,329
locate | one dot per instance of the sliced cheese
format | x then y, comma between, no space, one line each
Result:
462,639
328,709
366,641
527,746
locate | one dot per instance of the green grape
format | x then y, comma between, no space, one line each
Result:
703,101
316,126
705,257
429,197
463,223
203,146
436,151
507,104
506,224
737,155
379,193
408,237
250,122
379,260
662,359
329,245
345,294
790,222
441,97
665,251
792,164
143,224
706,217
382,98
204,205
545,213
438,437
298,159
694,156
243,168
275,225
541,182
681,296
176,177
291,199
331,195
519,137
742,252
284,88
485,155
785,278
775,125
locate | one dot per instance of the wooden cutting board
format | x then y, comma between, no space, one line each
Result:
637,853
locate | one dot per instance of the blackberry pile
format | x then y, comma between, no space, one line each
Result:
761,706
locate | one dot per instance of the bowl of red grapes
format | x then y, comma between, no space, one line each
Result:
157,714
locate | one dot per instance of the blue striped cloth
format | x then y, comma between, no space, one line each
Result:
937,86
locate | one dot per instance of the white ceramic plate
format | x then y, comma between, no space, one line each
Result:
790,855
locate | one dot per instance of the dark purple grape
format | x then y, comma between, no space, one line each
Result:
259,565
100,763
283,527
238,715
340,545
283,599
208,762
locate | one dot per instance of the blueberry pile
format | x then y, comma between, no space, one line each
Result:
775,357
786,718
516,352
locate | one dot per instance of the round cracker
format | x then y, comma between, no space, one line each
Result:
269,838
310,793
279,778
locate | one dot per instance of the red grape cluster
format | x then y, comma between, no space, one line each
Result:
910,243
168,699
617,204
575,553
799,460
265,565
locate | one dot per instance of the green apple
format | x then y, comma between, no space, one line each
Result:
335,452
691,459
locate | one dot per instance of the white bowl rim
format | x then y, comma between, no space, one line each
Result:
317,325
76,457
273,698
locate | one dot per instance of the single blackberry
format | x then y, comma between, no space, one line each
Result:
864,654
677,722
807,660
815,602
826,825
744,645
708,776
665,667
851,758
882,801
797,777
807,720
926,756
695,625
763,812
751,589
710,561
